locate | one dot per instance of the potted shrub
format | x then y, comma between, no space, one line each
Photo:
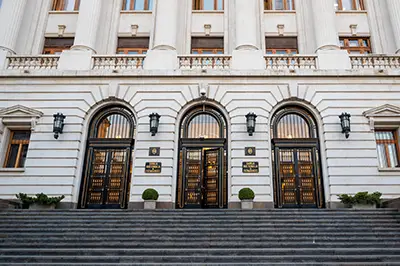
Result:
150,197
246,196
40,202
362,200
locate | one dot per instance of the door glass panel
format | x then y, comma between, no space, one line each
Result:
211,177
287,176
306,177
193,178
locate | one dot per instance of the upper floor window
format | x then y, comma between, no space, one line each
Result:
207,45
17,148
279,4
356,45
66,5
57,45
137,5
387,145
208,4
133,45
349,5
281,45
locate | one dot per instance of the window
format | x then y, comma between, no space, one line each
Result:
66,5
349,5
281,45
130,45
17,148
387,144
137,5
278,4
207,45
57,45
208,4
356,45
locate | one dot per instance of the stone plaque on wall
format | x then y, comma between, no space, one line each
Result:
153,168
154,151
250,151
250,167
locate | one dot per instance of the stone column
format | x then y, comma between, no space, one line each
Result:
80,55
247,53
326,37
11,17
394,14
163,54
87,27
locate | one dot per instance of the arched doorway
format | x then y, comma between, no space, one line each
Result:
296,159
202,170
108,161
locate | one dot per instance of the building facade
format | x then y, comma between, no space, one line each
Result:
198,99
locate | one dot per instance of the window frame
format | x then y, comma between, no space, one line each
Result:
396,143
360,48
213,50
353,4
20,143
270,5
140,51
132,6
198,5
59,5
53,46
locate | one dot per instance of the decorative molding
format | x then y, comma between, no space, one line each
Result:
61,30
385,114
281,29
134,29
207,29
204,89
19,115
353,28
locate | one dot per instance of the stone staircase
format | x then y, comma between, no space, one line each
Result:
201,237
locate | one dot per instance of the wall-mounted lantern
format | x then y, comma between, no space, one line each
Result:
154,121
345,123
58,124
251,123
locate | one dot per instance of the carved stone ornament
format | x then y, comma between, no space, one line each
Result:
19,115
385,114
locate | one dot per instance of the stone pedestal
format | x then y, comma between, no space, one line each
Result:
75,60
248,60
333,59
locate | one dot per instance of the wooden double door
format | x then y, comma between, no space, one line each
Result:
202,178
298,182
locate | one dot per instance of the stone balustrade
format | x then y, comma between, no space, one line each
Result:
204,61
118,61
32,62
375,61
291,62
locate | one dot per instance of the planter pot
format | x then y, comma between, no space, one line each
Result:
150,204
247,204
36,206
363,206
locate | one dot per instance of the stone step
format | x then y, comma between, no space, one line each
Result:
288,258
386,251
189,243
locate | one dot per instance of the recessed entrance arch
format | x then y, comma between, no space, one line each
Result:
202,166
108,160
296,159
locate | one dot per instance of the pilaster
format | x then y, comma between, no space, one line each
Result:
11,16
394,14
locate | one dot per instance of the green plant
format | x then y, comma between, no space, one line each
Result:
246,194
361,198
150,194
40,199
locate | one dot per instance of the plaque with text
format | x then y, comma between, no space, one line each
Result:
250,167
250,151
154,151
153,168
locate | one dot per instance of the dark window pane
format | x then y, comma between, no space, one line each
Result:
21,135
23,155
12,156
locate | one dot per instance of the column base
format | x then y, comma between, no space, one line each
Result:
161,60
333,59
75,60
248,60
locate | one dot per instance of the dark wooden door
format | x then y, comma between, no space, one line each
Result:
193,178
211,178
297,179
107,177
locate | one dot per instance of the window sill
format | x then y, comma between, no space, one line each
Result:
279,11
12,170
351,11
208,11
394,169
136,11
63,12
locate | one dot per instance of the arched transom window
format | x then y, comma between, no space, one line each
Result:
116,123
293,123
